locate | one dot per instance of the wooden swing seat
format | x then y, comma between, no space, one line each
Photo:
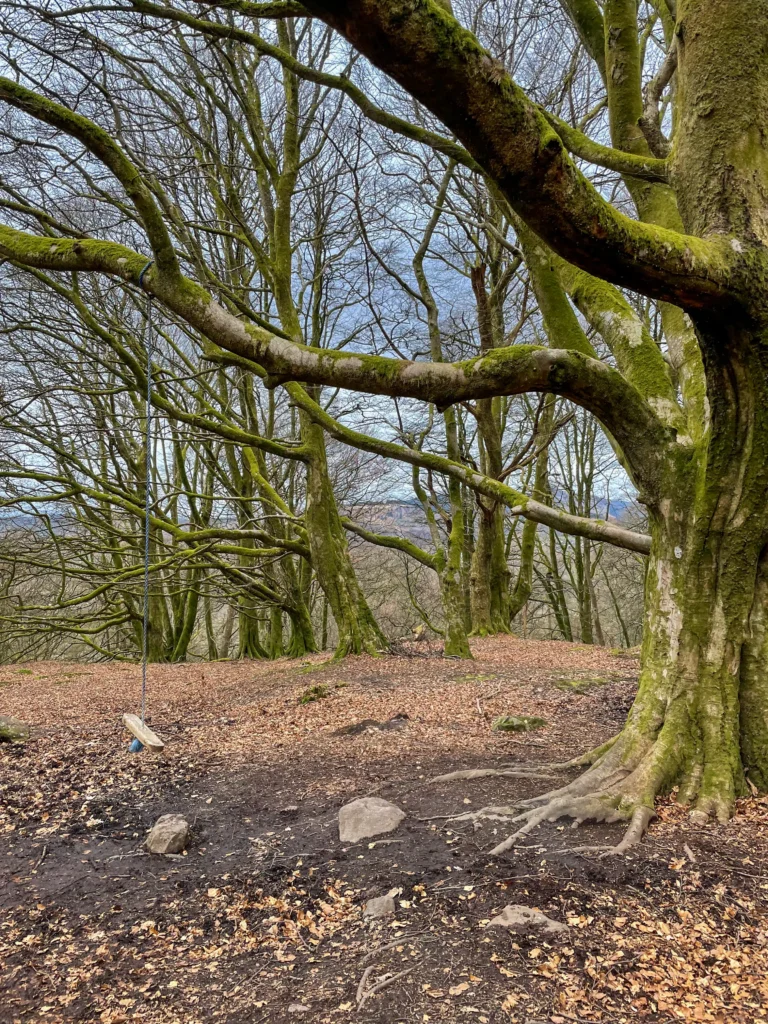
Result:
143,733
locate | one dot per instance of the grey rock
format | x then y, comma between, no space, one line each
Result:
369,816
380,906
298,1008
170,834
12,730
399,721
522,920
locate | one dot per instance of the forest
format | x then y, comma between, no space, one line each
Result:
382,413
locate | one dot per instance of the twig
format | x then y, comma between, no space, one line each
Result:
41,858
384,983
574,849
391,945
689,853
361,986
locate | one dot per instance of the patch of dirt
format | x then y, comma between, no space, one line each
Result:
263,915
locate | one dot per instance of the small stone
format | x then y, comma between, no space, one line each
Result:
380,906
170,834
369,816
298,1008
522,920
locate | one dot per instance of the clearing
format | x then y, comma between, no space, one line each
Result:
261,919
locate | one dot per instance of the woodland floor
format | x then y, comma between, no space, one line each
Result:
264,911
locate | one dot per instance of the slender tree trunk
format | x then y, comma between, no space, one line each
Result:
584,590
210,635
597,625
358,632
453,594
189,617
524,583
275,648
226,636
489,575
302,639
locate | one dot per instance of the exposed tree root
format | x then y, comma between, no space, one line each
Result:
503,812
481,773
624,778
634,834
582,761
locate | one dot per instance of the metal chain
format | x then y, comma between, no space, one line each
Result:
147,500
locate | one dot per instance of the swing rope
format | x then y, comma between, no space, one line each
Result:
147,497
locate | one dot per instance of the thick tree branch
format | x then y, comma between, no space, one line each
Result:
588,21
389,541
649,121
505,371
637,355
521,504
646,168
103,146
444,67
278,9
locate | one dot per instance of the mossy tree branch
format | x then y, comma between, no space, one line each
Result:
647,168
588,21
101,144
505,371
390,541
419,43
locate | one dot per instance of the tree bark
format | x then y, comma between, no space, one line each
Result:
358,632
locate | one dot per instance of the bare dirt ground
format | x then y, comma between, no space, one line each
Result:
261,920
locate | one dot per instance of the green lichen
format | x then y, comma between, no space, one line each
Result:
582,684
518,723
317,692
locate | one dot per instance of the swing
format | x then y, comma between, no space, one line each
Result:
135,724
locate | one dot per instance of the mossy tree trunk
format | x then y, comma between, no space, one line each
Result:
249,644
358,632
700,720
489,573
524,581
450,552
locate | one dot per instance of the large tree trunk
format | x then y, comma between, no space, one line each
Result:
699,724
249,645
688,728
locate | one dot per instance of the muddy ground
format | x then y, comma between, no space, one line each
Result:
261,919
